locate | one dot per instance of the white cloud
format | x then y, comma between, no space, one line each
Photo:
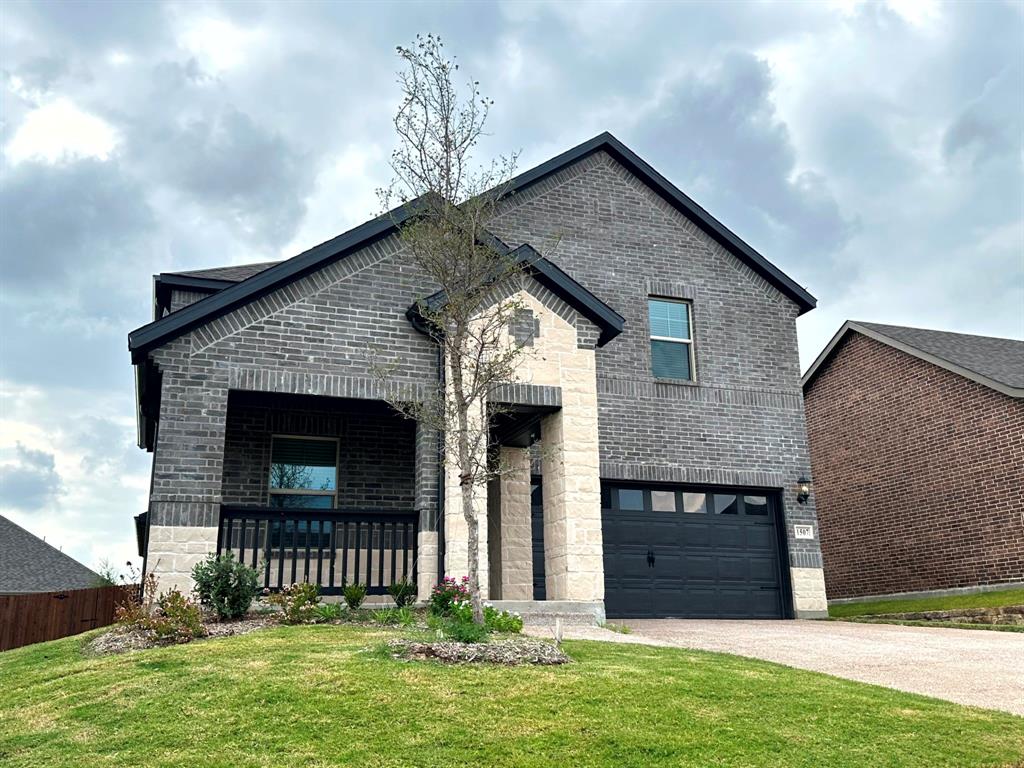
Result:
218,44
61,131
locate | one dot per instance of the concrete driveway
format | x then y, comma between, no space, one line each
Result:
976,667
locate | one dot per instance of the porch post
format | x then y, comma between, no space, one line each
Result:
188,464
427,487
573,554
516,533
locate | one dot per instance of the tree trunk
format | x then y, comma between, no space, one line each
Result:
467,486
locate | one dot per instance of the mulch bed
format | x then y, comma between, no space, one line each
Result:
513,652
124,639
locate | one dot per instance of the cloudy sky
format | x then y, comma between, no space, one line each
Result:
871,150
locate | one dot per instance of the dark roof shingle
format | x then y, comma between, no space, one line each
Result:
994,358
29,564
997,363
234,274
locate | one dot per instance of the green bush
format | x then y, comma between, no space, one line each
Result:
463,631
403,592
329,612
226,585
179,618
173,618
354,595
300,603
502,621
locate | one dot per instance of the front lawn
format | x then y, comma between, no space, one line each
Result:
979,600
324,695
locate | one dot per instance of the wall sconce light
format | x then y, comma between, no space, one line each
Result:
803,490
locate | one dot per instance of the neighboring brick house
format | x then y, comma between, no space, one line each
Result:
917,446
661,379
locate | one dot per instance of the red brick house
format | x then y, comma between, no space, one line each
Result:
917,451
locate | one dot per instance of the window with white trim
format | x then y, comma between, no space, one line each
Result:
303,472
671,339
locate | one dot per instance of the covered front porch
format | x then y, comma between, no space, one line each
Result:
332,491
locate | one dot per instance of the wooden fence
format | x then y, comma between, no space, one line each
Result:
40,616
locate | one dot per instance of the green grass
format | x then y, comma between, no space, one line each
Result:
979,600
933,624
322,696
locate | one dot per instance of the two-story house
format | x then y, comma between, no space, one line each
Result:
662,384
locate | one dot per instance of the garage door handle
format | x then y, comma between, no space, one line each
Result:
650,558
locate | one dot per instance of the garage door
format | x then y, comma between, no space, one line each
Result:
691,553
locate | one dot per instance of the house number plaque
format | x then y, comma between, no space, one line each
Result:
803,531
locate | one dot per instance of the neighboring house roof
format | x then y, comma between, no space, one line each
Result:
230,297
997,363
29,564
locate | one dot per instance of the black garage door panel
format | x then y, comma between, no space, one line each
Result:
693,565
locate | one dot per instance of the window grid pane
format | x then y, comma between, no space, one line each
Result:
669,319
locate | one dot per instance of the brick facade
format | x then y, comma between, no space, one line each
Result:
740,423
918,472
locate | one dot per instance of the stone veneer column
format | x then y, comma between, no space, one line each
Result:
427,471
514,512
809,601
456,532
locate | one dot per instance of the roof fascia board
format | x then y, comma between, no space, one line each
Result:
871,333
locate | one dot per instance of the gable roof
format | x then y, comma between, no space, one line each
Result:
994,362
29,564
266,280
554,279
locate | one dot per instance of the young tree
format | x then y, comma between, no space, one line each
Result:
438,127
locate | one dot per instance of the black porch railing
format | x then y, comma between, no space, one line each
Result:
331,548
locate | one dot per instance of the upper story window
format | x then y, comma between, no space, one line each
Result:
671,339
303,472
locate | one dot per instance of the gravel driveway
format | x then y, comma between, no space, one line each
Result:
981,668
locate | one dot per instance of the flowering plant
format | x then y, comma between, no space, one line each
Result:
446,593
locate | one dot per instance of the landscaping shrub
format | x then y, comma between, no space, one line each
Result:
463,631
172,617
446,592
181,618
300,603
354,595
403,617
403,592
226,585
329,612
502,621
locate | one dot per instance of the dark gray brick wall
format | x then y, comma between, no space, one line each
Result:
742,421
376,453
